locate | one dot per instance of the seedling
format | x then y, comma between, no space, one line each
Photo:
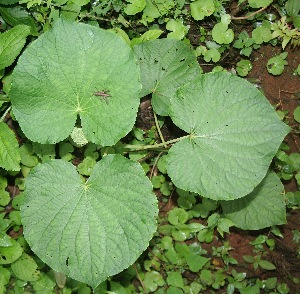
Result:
258,262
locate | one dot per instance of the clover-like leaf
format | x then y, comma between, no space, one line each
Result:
263,207
89,230
234,134
165,65
76,70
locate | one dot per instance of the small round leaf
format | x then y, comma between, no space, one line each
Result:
89,230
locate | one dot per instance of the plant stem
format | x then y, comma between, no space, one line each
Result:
250,15
154,165
159,130
4,99
5,113
145,147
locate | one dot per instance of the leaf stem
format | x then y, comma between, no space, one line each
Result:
4,98
250,15
155,146
159,130
5,113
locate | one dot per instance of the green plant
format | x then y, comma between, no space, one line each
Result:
243,67
114,211
282,30
276,64
258,262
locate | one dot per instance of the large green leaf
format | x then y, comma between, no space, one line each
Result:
76,70
234,134
89,230
165,65
9,149
263,207
11,43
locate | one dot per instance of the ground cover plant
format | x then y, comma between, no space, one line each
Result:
78,210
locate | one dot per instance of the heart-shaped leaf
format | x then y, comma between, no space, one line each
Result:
165,65
76,70
89,230
234,134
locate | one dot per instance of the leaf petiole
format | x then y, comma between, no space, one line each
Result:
146,147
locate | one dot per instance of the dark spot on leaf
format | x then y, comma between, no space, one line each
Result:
67,261
226,125
155,60
183,59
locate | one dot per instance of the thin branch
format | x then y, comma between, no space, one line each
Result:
5,113
146,147
139,278
159,130
250,15
154,165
